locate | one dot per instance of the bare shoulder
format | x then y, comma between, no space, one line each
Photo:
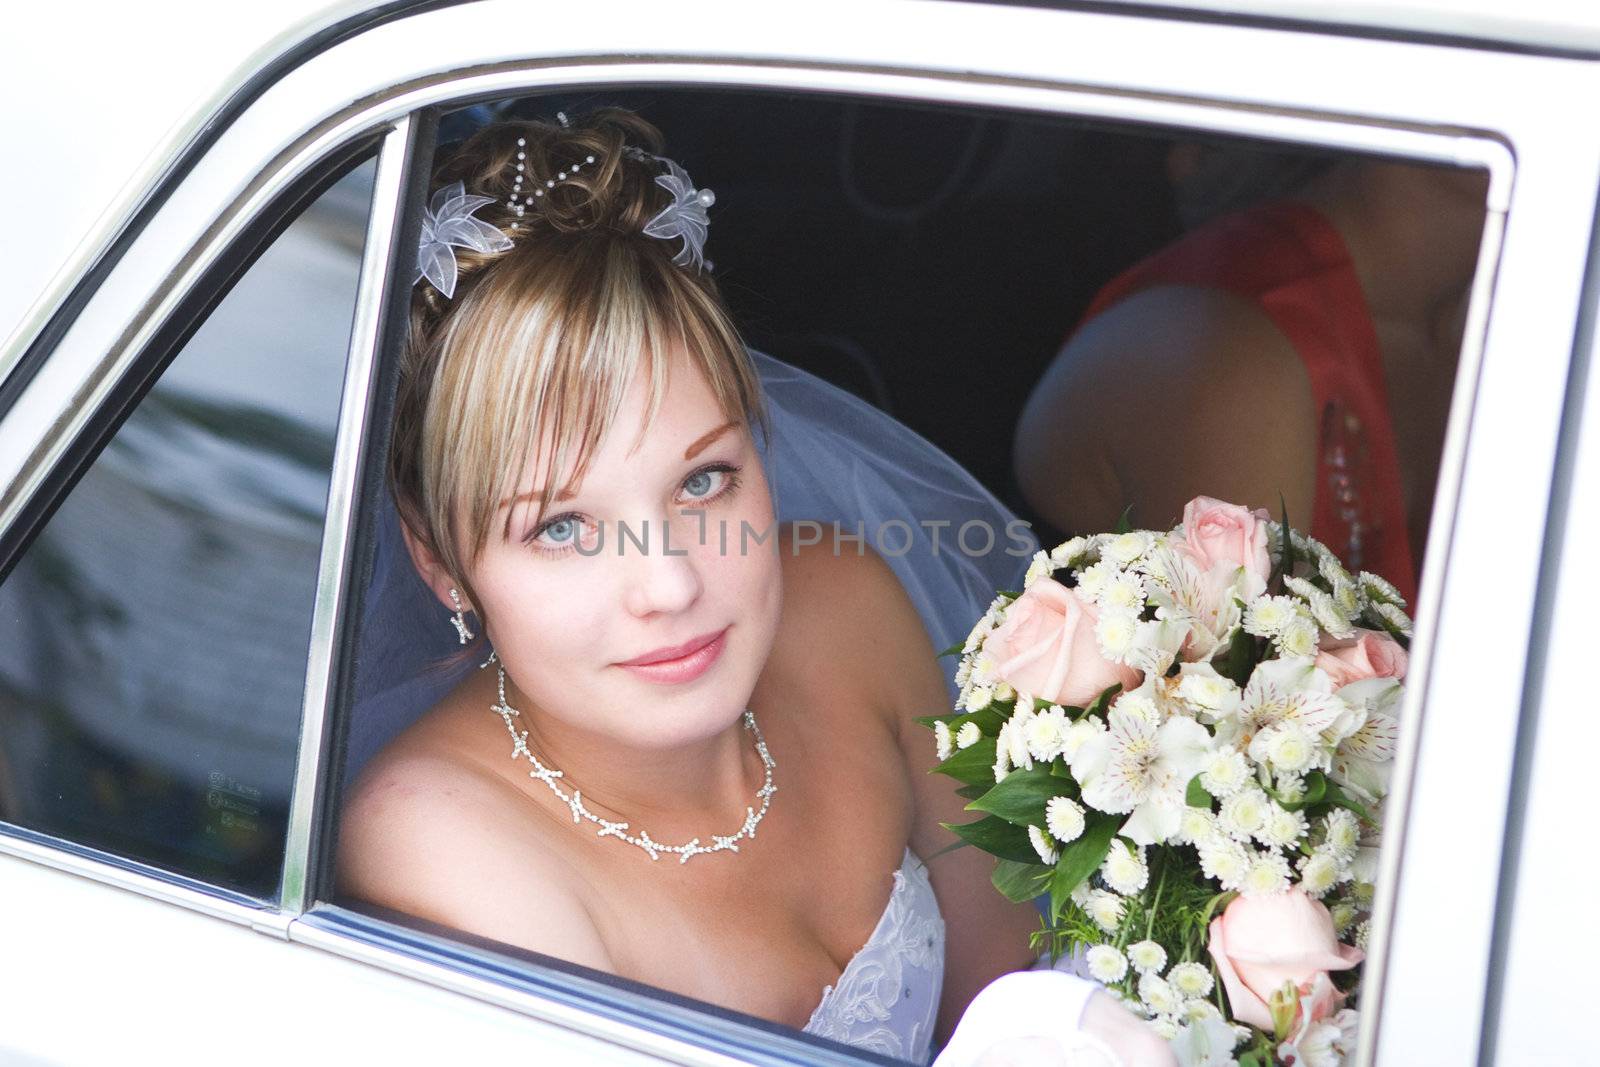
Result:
845,609
1175,391
434,837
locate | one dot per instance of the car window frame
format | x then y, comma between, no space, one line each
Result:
838,67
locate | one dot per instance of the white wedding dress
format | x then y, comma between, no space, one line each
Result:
887,997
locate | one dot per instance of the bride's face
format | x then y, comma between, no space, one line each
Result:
654,634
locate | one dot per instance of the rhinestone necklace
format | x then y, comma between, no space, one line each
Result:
643,840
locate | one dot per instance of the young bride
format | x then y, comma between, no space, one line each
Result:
692,759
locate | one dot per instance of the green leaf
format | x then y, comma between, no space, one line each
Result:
1196,795
1316,789
1103,701
1020,882
1022,797
955,649
996,837
1123,524
1286,560
1239,662
1081,858
972,792
972,765
1340,798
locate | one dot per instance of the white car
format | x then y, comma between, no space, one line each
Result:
195,384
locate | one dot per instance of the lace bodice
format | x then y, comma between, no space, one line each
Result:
886,998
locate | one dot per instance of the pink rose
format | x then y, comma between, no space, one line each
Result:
1260,942
1369,654
1218,533
1047,647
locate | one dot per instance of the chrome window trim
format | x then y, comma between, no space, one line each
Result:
383,223
1467,480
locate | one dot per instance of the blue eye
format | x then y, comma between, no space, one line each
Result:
699,483
560,531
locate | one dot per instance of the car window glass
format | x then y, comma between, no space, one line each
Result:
1095,321
152,676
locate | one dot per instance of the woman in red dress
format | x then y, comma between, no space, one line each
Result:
1304,347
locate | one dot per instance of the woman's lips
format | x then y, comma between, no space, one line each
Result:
684,663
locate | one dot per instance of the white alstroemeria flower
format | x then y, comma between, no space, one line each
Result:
1156,643
1105,909
1147,957
1157,995
1210,694
1106,964
1363,761
968,735
1085,747
1045,733
1147,771
1363,866
1283,690
941,740
1063,817
1327,1043
1124,869
1268,873
1225,773
1142,702
1319,872
1207,1043
1267,615
1043,846
1191,979
1127,547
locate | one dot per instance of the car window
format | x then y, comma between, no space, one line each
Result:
1022,291
151,680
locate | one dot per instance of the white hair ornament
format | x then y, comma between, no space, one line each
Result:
447,224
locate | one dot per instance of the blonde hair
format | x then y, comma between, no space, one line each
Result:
541,341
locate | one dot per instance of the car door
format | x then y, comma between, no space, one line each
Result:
102,385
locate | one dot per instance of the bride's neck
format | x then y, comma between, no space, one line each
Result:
692,790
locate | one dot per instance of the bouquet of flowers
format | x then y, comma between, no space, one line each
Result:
1183,738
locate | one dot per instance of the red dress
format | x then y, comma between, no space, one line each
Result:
1289,261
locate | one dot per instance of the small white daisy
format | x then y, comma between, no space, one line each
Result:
1041,567
1285,747
1063,817
1394,617
1344,915
1106,964
1268,873
1093,579
1166,1027
978,698
1206,691
1045,733
1191,979
1244,813
1196,826
1067,553
941,740
1319,872
1147,957
1042,845
1298,638
1124,869
1341,832
1379,589
1116,631
1226,774
1225,861
967,736
1125,548
1266,616
1157,995
1283,828
1125,592
1003,692
1105,910
1326,611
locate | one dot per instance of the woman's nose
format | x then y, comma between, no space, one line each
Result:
662,574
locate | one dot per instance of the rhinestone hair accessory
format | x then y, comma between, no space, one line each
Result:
619,830
448,224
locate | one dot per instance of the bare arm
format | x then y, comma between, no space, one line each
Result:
426,837
986,935
1172,393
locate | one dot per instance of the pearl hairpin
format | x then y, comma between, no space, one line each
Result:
519,201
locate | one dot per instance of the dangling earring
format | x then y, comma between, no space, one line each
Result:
459,619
